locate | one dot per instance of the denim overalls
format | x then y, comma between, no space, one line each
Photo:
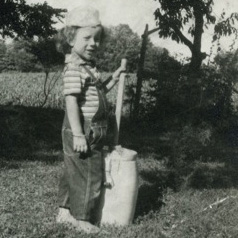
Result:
80,185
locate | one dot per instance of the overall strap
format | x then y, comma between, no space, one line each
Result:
96,81
102,112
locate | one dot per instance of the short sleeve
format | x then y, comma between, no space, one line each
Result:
72,81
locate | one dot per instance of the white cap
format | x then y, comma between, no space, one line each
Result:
85,16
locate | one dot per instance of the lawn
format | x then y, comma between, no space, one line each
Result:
31,164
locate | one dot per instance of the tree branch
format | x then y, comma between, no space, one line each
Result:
209,3
182,37
235,90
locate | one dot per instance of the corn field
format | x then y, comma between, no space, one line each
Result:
33,90
29,89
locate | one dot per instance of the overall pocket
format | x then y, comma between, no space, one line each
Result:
97,135
67,140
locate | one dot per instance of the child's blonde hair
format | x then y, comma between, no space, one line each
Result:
79,17
64,36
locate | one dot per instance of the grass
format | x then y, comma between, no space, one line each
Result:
31,164
29,204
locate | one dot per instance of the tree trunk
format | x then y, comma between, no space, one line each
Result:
197,55
196,61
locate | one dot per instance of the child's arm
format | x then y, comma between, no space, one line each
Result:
79,140
115,77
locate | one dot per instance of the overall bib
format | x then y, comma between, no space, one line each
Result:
80,185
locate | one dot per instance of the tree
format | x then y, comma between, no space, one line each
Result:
3,47
174,16
146,45
45,51
18,19
30,55
228,64
3,50
47,55
120,41
20,57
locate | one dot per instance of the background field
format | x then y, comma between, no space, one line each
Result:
199,202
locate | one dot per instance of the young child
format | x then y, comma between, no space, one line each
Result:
85,123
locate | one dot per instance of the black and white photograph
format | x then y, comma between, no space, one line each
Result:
118,118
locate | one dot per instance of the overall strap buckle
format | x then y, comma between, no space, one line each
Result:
97,83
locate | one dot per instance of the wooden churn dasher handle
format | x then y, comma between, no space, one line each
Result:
120,95
119,196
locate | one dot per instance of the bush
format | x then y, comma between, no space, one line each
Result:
16,131
196,113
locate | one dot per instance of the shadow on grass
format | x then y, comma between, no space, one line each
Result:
213,167
155,184
15,162
220,174
144,141
34,134
149,199
26,130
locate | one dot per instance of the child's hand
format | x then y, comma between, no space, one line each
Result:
80,144
117,73
108,181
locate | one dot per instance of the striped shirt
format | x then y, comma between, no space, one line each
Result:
78,82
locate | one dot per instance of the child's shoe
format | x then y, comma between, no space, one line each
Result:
87,227
65,217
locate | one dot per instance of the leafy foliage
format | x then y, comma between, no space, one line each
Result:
120,42
22,20
228,62
3,50
174,16
19,55
177,101
46,53
30,55
226,26
198,115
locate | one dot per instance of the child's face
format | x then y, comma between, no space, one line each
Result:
87,41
